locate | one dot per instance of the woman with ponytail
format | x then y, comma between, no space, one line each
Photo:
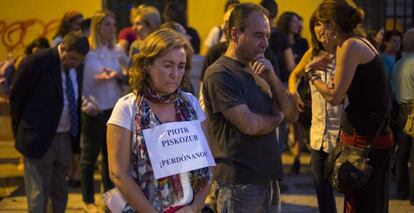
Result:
359,75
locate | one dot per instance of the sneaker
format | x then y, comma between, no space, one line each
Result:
402,195
294,170
283,187
90,208
74,183
207,209
20,166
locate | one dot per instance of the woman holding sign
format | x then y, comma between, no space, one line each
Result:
158,106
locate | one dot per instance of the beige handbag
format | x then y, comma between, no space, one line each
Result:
409,125
114,200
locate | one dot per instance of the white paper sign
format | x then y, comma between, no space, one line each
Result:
177,147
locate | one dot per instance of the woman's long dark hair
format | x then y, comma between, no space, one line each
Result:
283,22
316,45
66,21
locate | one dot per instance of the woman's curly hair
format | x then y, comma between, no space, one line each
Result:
156,45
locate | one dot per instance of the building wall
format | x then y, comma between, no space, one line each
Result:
203,15
21,21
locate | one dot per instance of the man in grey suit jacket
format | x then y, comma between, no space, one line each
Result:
45,106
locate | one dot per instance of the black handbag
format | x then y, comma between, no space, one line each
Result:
305,117
348,168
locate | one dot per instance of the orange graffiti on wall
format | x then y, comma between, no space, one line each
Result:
14,34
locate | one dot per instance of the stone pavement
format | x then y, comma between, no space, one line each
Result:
12,195
300,198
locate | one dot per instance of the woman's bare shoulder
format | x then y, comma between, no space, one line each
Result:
358,48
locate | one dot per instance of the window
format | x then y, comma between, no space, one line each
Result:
122,8
393,14
399,14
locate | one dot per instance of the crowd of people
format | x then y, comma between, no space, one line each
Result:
168,144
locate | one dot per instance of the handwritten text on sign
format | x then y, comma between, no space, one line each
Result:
177,147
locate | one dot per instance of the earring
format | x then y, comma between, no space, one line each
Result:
331,35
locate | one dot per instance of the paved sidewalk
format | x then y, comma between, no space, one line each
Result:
300,198
12,195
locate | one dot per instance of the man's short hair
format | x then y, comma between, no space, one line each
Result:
240,14
408,40
76,41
